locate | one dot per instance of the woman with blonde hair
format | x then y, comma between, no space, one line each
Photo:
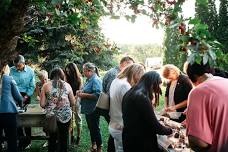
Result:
43,77
177,89
10,97
124,81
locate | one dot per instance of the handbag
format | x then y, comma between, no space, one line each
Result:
51,124
103,101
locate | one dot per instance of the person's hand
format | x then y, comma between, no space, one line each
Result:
183,123
185,112
25,99
171,109
37,98
78,92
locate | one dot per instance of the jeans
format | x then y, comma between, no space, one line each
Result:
117,135
9,125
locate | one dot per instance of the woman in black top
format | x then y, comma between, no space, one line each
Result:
177,90
140,123
74,78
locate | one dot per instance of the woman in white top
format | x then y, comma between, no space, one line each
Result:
124,81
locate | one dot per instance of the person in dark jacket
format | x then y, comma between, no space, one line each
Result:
140,123
10,97
177,90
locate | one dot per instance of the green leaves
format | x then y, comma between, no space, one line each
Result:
55,2
131,18
202,2
194,21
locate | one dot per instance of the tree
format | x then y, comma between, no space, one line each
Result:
65,31
141,51
212,20
11,23
223,24
83,12
208,15
172,49
201,10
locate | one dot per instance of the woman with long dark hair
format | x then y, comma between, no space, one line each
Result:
74,78
140,123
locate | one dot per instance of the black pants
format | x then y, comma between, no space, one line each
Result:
9,126
92,121
24,133
58,141
105,114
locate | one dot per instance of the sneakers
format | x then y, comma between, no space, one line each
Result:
29,146
45,144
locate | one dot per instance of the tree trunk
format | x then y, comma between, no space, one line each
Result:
11,25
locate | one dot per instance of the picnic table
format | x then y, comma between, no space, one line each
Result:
34,116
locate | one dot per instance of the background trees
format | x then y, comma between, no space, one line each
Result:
141,51
11,25
60,31
206,36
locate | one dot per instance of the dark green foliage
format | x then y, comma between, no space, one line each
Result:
212,20
208,15
11,24
201,11
217,26
172,53
223,24
62,31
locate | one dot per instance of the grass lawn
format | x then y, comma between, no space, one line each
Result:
37,145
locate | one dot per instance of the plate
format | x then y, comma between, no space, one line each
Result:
174,115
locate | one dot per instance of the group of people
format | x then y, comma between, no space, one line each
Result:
17,87
133,96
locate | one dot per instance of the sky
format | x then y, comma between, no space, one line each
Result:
122,31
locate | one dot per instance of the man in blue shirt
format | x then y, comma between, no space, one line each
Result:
25,79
